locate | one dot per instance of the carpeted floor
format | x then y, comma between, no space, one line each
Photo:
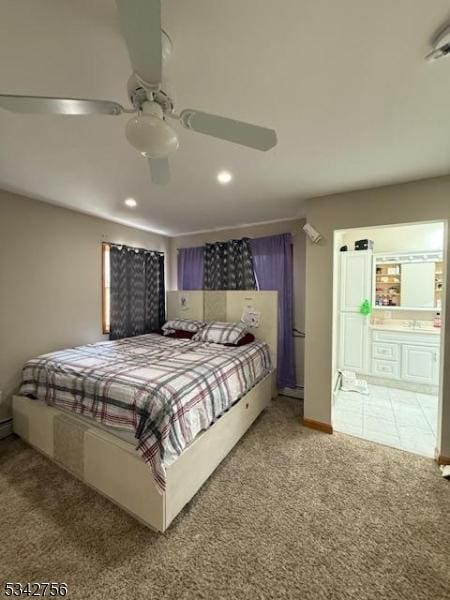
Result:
291,513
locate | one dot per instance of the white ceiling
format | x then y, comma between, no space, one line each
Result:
343,83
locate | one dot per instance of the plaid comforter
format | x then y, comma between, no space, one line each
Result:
164,390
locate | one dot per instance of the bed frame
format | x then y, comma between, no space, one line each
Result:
112,466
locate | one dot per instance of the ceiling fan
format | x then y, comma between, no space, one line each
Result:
148,130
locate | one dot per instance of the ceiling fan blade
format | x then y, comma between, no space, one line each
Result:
141,26
59,106
159,170
231,130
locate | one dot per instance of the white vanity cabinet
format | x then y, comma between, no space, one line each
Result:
353,353
420,364
407,355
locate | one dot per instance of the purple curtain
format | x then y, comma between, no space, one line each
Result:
190,268
272,259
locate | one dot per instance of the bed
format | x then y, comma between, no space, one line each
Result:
146,420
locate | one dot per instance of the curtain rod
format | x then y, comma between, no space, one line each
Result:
132,247
293,234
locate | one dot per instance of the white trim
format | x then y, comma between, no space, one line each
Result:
6,428
242,226
442,337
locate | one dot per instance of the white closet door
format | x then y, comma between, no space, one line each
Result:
353,342
355,279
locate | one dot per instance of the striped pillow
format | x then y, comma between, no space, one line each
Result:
182,325
218,332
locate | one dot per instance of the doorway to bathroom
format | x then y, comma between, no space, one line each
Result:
387,317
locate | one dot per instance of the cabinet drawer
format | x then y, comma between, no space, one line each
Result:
386,368
412,336
385,351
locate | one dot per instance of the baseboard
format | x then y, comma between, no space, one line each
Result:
420,388
297,392
6,428
325,427
443,460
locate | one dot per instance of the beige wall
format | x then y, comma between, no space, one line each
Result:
295,227
421,237
408,203
50,280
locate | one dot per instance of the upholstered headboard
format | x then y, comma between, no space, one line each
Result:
229,306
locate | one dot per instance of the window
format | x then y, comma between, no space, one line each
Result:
140,303
105,289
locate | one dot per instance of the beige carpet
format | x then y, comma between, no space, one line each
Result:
291,513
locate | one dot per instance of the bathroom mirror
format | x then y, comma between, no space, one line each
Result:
413,281
417,283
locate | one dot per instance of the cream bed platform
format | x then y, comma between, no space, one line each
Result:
112,466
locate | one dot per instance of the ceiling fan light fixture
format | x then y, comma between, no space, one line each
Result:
150,134
149,49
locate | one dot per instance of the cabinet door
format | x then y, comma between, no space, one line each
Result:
355,279
420,363
353,342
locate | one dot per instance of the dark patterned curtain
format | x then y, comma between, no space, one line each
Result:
229,266
137,293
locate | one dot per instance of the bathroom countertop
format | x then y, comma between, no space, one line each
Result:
405,329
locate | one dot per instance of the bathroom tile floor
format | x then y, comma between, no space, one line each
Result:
393,417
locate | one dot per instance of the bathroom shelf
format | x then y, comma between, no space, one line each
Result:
388,293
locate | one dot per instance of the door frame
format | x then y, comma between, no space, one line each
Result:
337,242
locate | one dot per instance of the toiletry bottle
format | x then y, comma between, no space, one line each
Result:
437,320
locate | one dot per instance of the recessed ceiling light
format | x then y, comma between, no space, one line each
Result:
131,202
224,177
